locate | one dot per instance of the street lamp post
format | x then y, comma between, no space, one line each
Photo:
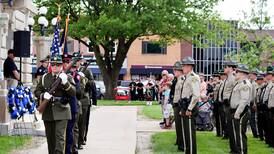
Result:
42,20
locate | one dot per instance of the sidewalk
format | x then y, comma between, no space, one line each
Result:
112,130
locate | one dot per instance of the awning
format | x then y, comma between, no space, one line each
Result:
97,71
149,69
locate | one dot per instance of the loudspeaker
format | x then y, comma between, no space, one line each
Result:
21,43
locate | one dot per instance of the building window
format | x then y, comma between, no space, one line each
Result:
152,48
210,59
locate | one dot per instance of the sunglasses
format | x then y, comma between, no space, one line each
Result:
55,64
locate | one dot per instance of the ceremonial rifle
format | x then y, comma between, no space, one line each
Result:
44,102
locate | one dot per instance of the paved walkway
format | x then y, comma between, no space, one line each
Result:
112,130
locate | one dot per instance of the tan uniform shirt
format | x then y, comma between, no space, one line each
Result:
215,90
220,90
258,93
191,87
253,91
271,98
229,84
178,88
266,91
240,96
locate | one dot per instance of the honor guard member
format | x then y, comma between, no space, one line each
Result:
189,97
80,80
178,72
261,122
57,112
89,88
43,69
265,99
85,103
229,68
239,105
253,112
271,111
73,102
217,114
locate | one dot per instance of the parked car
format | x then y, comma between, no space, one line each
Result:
101,85
99,94
122,93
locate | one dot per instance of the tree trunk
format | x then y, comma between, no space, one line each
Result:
110,80
110,68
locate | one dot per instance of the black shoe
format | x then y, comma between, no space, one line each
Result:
225,138
80,147
181,149
161,123
84,143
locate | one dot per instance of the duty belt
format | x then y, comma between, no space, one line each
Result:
245,110
56,99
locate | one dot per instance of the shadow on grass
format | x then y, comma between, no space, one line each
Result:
207,143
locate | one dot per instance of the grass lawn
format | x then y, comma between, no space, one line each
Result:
207,143
121,103
152,112
9,143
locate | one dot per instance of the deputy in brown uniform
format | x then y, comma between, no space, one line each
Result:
225,94
189,97
271,111
57,112
265,97
217,114
239,105
178,71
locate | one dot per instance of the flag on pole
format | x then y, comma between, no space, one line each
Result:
63,41
55,48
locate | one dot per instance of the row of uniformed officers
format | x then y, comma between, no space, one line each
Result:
235,95
66,117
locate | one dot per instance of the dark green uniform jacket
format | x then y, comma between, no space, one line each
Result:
55,110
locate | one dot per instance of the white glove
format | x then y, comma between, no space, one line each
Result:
236,116
47,96
81,74
64,78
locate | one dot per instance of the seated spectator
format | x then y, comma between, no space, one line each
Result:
203,120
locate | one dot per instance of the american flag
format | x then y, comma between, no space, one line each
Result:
55,48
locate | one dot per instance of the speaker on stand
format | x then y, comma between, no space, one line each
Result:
21,47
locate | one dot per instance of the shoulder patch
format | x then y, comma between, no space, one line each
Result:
195,79
192,74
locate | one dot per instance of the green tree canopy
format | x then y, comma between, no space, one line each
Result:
104,22
257,45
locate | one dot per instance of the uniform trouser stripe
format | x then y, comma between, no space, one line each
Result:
240,133
183,133
190,134
220,124
234,133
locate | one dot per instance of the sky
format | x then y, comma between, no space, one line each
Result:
232,9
